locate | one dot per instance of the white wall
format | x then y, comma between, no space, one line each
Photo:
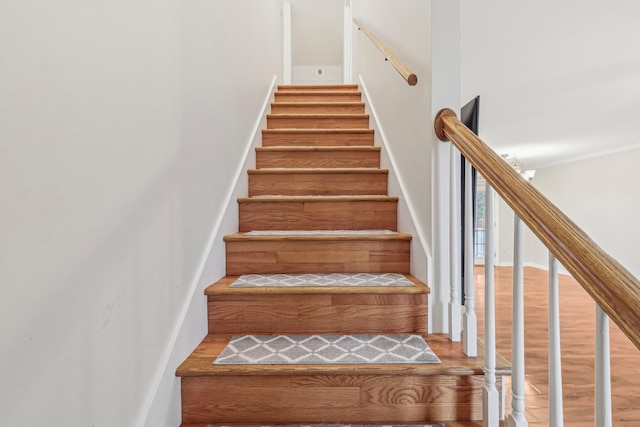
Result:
120,127
418,32
445,93
317,41
558,79
600,195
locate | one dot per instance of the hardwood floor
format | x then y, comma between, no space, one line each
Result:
577,317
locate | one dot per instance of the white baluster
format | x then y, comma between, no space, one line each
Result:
603,370
556,418
455,309
469,321
517,418
490,397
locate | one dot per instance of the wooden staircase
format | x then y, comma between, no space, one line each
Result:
317,169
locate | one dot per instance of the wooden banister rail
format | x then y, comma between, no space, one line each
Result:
404,71
610,285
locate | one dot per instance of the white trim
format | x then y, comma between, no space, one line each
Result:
286,37
169,349
590,156
394,164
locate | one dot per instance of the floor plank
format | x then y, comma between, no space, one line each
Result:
577,317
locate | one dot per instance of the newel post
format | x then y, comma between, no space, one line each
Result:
490,398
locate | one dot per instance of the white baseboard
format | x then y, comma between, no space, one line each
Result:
561,270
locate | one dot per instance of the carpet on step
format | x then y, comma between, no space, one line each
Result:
320,280
333,425
326,349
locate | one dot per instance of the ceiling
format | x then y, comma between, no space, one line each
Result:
557,81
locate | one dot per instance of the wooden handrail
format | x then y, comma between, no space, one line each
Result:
404,71
610,285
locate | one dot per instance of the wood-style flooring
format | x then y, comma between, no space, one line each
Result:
577,317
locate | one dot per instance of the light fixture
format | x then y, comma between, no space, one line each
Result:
513,161
517,166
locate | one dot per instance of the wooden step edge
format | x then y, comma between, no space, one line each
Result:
317,116
317,104
320,199
317,131
241,237
341,87
312,148
454,362
271,171
302,92
222,287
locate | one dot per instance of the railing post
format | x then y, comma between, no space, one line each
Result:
603,370
490,397
455,309
556,417
516,417
469,320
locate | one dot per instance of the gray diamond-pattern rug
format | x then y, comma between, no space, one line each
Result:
320,280
326,349
334,425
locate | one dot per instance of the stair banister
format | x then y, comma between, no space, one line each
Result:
404,71
615,290
611,285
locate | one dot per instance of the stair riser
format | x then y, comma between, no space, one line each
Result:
317,122
318,215
339,108
318,88
332,139
346,399
317,314
317,97
317,184
312,256
318,159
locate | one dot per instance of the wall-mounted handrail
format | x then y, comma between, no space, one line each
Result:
608,283
404,71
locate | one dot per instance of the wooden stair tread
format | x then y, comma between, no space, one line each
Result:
347,198
317,131
317,103
303,90
454,362
222,287
240,237
317,116
267,171
340,87
319,148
